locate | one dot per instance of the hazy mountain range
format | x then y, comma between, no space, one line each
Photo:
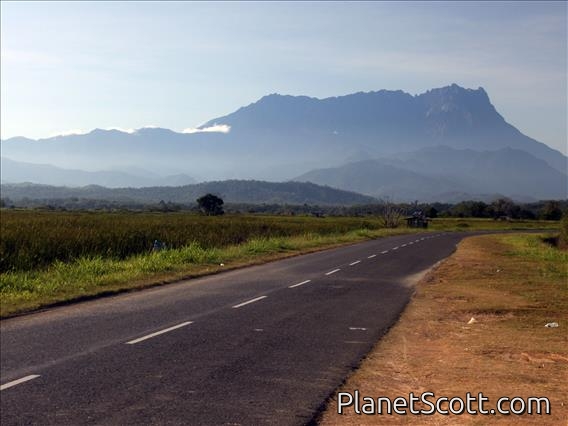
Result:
438,173
17,171
441,143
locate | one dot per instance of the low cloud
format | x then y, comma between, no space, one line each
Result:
120,129
68,133
216,128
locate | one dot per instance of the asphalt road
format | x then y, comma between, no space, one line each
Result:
260,345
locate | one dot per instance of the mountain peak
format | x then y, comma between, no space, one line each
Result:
453,107
455,90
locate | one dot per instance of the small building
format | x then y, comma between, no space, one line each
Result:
417,220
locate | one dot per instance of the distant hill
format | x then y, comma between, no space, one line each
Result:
232,191
442,174
17,171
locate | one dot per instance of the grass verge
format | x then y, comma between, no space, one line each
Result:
512,285
23,291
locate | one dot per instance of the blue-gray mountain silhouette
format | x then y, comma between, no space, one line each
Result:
437,173
281,137
17,171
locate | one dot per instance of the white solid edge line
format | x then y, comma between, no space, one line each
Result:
256,299
17,382
384,252
332,272
299,284
371,256
157,333
354,263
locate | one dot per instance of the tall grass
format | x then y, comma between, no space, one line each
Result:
35,239
563,237
85,276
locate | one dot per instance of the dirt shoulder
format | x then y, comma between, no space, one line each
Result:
512,285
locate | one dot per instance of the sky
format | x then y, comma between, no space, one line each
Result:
76,66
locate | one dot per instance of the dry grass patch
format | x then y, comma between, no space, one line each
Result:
512,285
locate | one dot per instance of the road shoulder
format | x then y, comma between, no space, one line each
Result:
511,285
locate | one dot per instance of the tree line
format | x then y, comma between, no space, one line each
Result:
502,208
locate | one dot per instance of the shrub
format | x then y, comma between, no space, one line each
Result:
563,238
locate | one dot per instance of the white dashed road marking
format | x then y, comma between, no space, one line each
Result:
332,272
17,382
256,299
384,252
358,328
299,284
157,333
371,256
395,248
354,263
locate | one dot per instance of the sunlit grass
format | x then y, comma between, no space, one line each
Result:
24,290
35,239
50,257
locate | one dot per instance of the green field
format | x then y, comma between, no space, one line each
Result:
35,239
479,224
49,257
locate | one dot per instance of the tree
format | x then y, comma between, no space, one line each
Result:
470,209
210,205
504,207
390,215
551,211
432,212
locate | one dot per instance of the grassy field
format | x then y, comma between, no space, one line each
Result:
50,257
33,239
475,224
512,285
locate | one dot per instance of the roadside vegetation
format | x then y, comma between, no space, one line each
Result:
26,290
35,239
476,324
563,236
48,257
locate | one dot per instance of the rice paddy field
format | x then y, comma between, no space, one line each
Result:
35,239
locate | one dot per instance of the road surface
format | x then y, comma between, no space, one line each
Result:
259,345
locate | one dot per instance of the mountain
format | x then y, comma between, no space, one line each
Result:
440,173
280,137
232,191
377,123
16,171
